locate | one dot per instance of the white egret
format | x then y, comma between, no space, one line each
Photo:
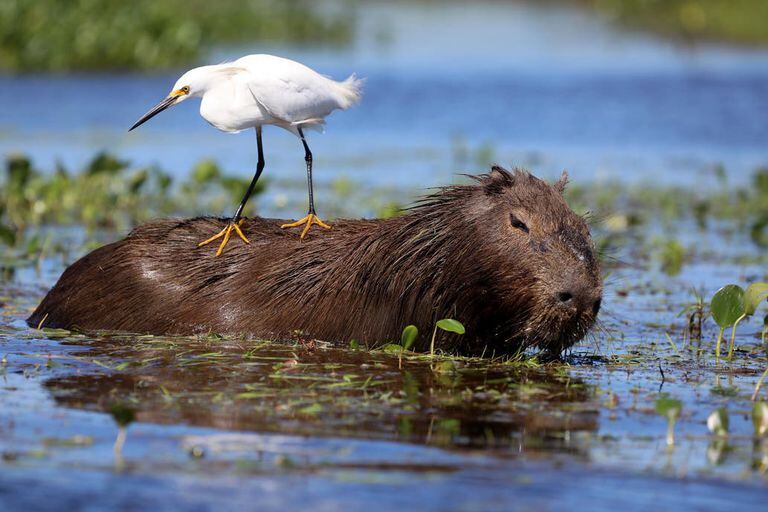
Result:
258,90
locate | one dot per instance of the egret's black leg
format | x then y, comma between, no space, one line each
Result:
234,224
308,160
259,169
311,217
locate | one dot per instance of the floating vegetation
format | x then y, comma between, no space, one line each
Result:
732,304
107,194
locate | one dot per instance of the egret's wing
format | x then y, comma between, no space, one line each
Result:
292,101
290,91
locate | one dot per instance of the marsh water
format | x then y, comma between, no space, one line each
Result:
231,423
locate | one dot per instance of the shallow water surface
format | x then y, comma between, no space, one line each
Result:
224,423
450,88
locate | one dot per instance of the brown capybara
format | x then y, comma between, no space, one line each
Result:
505,256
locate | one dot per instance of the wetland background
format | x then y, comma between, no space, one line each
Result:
658,110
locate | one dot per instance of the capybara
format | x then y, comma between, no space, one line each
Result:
504,255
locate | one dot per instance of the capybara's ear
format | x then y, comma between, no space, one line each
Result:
498,172
562,182
498,180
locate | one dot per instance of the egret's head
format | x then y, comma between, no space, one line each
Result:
192,83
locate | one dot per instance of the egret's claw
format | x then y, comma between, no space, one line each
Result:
307,222
226,233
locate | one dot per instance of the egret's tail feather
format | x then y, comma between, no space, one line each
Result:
350,91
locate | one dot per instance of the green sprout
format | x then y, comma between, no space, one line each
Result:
407,339
448,325
753,296
669,408
123,416
727,306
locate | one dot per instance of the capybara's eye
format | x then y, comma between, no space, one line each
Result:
517,223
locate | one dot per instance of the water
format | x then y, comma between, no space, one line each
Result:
228,424
449,89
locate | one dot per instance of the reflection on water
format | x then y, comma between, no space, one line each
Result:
320,391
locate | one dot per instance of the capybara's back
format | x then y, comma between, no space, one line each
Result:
506,256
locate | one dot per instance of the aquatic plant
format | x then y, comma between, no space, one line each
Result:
447,325
407,339
732,304
760,418
717,422
759,383
672,255
727,306
123,416
694,314
50,35
107,193
670,409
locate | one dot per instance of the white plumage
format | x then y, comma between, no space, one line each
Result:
258,90
264,89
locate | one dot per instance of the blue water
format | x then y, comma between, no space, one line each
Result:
449,89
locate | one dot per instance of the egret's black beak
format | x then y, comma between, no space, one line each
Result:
167,102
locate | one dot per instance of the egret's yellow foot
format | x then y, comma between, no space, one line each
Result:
226,233
307,222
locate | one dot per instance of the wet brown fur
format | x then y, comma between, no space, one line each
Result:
456,254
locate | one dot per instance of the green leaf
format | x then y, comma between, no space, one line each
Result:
727,305
717,422
410,333
669,408
391,348
451,325
122,414
755,294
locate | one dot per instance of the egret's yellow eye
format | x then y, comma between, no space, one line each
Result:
185,89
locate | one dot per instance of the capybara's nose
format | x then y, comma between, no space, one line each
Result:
583,298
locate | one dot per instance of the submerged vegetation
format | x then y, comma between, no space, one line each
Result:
51,35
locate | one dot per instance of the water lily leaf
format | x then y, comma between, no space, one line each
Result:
727,305
755,294
760,418
410,333
451,325
717,422
669,408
